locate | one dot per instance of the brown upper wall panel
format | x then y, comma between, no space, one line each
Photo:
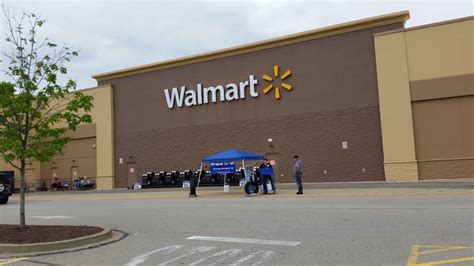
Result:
372,22
332,73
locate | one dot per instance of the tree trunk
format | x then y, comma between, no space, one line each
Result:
22,193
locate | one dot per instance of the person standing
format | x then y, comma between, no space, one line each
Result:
57,184
266,174
298,174
195,179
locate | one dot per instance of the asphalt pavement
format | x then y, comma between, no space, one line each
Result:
350,226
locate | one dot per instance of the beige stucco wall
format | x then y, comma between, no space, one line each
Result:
32,174
444,128
434,132
395,108
79,151
78,156
443,124
103,117
441,51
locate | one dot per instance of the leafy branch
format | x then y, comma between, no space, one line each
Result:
36,108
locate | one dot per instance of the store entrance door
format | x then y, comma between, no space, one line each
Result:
54,172
273,158
74,172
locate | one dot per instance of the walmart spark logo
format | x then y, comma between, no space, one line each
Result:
270,87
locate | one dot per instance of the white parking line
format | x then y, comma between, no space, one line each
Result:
245,240
191,252
228,253
266,255
53,217
239,262
9,261
257,257
143,257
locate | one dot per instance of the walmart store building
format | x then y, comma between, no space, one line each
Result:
366,100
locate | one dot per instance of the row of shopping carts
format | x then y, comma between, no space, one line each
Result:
176,178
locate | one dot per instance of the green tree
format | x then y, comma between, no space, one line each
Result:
36,108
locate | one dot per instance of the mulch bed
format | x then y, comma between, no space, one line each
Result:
13,234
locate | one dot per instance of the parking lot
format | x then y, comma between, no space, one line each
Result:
391,226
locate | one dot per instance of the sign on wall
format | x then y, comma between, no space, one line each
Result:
187,97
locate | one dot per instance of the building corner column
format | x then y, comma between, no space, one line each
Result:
104,114
395,108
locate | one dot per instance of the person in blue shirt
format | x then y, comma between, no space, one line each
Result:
267,175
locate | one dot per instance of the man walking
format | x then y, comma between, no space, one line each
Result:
298,174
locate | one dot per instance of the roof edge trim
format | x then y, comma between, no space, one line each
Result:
431,25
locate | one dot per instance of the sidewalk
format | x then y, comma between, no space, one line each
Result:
286,190
438,183
461,183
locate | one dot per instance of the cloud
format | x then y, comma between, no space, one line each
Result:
111,35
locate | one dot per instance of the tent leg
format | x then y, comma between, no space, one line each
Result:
199,177
193,188
225,180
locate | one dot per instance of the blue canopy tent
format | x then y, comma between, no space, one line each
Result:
232,155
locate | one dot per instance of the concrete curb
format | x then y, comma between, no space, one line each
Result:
12,249
462,183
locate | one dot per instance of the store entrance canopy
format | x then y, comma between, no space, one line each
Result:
232,155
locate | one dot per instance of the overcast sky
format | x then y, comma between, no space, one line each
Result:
111,35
